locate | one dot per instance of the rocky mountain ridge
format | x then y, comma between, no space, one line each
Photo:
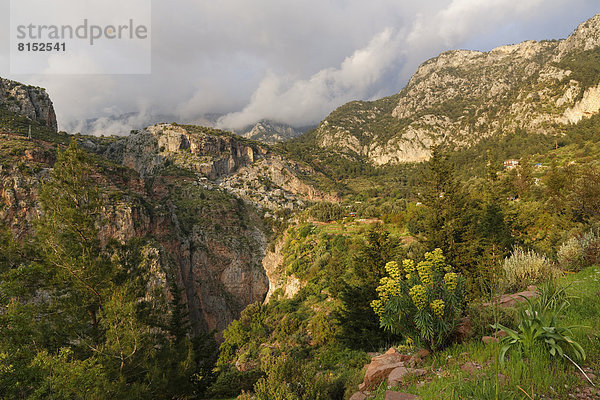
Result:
463,96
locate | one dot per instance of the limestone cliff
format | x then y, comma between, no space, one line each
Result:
221,160
29,101
462,96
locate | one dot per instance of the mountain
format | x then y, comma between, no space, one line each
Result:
461,97
272,132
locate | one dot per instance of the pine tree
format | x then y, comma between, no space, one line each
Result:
68,237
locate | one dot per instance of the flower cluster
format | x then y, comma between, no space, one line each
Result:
438,307
388,287
393,270
377,306
419,296
409,267
425,272
450,280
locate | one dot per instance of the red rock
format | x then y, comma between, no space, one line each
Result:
392,351
362,386
397,375
358,396
381,366
501,334
390,395
509,300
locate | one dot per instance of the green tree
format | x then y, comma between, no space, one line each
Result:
68,237
359,325
449,220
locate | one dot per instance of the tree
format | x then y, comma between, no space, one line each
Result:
68,237
448,223
358,322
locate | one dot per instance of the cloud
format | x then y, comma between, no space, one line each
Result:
292,61
303,101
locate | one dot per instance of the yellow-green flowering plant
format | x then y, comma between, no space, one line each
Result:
423,302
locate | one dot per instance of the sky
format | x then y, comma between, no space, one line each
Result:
290,61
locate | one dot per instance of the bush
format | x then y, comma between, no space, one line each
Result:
482,316
580,252
423,302
590,246
570,255
523,268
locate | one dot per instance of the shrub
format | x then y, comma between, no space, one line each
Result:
523,268
570,255
423,302
590,246
580,252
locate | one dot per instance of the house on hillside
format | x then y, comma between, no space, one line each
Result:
510,164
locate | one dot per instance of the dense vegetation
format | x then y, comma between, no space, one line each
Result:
502,229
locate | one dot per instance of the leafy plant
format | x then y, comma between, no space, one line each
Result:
422,302
538,326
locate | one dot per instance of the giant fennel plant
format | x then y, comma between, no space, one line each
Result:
422,302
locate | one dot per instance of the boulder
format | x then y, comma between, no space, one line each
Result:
358,396
391,395
381,366
510,300
398,374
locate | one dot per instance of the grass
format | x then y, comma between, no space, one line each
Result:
553,378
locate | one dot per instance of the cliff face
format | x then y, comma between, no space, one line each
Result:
209,242
199,198
463,96
31,102
221,160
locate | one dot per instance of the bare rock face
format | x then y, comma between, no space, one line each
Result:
32,102
244,168
212,153
461,97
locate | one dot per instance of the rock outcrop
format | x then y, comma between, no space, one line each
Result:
32,102
222,160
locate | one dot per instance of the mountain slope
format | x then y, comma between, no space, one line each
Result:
463,96
271,132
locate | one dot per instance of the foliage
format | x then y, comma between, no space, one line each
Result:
580,251
83,319
539,326
421,301
326,212
523,268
